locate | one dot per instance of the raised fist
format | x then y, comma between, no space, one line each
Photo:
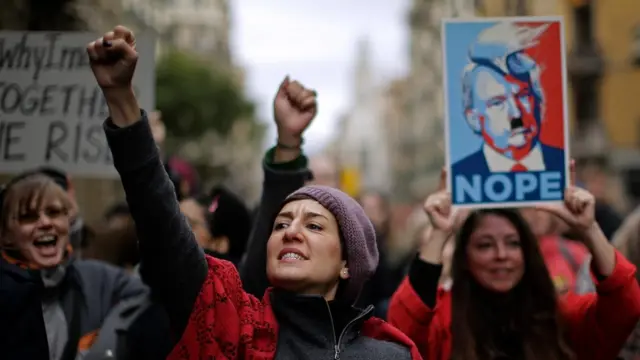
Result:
578,208
438,208
113,58
294,107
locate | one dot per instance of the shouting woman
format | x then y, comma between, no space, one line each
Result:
53,305
503,304
321,250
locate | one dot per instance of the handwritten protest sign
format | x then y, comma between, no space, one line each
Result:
51,109
506,111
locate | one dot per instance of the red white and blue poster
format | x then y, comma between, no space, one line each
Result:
506,121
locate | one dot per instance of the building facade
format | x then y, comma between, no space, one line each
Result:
203,28
396,120
603,66
422,140
198,26
362,145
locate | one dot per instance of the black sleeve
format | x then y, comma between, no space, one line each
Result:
280,180
172,263
148,336
424,278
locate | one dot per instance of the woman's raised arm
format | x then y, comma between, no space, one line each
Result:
413,305
172,264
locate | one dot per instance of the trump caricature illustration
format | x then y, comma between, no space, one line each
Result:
509,94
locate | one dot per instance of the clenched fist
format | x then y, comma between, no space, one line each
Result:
578,208
294,107
113,59
438,208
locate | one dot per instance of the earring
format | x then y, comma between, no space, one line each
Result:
345,272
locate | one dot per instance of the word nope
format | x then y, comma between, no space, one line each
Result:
508,187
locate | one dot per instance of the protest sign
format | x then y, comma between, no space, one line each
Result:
506,111
51,108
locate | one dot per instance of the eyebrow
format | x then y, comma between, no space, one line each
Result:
307,214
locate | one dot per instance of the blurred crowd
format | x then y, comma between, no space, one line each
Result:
183,272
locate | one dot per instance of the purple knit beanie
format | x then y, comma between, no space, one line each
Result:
357,233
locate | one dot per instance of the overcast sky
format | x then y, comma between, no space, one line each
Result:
314,42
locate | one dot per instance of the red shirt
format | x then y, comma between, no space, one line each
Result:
563,259
598,324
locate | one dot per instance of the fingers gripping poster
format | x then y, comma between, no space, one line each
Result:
506,112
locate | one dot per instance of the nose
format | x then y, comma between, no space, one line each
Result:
44,220
501,251
292,233
515,108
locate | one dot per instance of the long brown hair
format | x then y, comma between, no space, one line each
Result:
528,315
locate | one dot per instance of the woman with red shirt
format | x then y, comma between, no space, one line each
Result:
503,304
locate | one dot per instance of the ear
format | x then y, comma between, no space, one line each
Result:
344,272
473,119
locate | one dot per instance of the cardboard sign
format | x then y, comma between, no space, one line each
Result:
51,108
506,113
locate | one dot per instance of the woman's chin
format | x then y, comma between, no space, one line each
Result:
286,278
48,258
500,287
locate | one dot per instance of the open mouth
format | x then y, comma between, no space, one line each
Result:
291,255
501,273
46,241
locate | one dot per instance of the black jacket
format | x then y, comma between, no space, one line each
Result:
87,294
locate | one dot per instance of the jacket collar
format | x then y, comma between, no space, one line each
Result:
371,327
50,278
21,273
317,321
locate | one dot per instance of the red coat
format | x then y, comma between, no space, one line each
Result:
228,323
598,324
563,272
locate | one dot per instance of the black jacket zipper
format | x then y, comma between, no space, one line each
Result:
338,340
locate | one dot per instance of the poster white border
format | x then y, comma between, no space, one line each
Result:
565,105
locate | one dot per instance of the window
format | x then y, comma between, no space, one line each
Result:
515,7
207,42
586,101
415,18
632,180
479,7
584,25
635,45
509,8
